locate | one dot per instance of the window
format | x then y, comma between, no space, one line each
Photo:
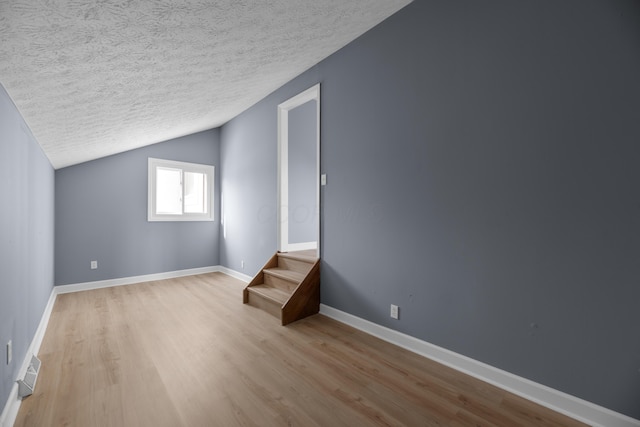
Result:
179,191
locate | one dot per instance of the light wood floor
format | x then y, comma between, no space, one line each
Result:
187,352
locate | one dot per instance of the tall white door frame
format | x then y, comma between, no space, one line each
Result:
313,93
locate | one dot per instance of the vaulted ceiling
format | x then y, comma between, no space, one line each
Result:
98,77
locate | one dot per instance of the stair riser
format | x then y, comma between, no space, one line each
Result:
294,265
267,305
279,283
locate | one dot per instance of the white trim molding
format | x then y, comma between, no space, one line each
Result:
86,286
234,274
558,401
10,411
311,94
182,168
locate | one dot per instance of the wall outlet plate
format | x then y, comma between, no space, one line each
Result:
394,311
94,265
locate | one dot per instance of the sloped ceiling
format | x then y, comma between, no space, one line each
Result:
98,77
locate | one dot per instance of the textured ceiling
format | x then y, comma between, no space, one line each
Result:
98,77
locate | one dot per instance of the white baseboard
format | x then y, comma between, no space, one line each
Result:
558,401
234,274
76,287
571,406
10,411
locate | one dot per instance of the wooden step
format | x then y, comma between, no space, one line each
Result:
294,264
305,256
267,298
275,295
286,280
284,274
288,286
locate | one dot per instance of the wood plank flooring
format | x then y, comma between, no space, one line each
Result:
187,352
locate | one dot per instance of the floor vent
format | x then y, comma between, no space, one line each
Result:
26,385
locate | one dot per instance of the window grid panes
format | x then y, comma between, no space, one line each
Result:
179,191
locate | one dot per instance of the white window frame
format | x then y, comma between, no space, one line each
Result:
208,170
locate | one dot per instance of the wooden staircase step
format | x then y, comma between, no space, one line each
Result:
267,298
294,264
284,274
271,293
306,256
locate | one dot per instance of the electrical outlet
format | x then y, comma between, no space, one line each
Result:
9,352
242,264
94,265
394,311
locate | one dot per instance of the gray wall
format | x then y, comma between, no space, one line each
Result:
488,153
26,238
303,209
248,189
101,214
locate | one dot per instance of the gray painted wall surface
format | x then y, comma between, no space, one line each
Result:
101,214
26,238
488,153
303,209
248,189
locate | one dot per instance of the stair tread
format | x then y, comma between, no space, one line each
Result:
305,256
283,273
270,292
